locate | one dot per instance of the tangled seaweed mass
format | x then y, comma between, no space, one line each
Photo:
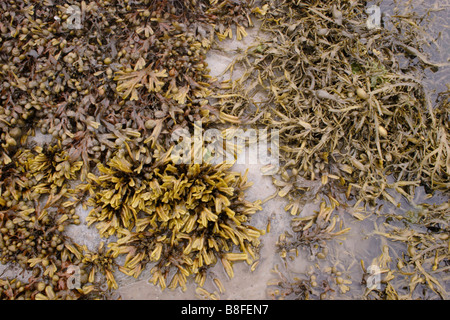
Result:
353,117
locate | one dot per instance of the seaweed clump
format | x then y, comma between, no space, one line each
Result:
355,123
98,77
349,115
183,218
33,221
